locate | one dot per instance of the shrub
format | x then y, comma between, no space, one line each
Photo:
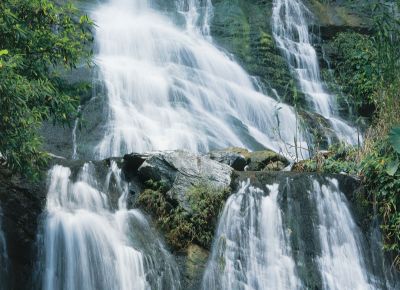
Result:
181,225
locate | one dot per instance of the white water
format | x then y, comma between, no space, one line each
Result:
169,87
251,249
341,262
290,30
87,245
74,143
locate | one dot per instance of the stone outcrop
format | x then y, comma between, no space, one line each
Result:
242,159
180,170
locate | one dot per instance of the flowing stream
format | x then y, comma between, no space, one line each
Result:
168,86
290,22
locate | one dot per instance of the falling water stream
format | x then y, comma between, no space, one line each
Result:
251,249
168,87
89,244
341,262
290,29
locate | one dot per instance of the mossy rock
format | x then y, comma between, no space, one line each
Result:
184,225
195,263
243,27
264,160
344,13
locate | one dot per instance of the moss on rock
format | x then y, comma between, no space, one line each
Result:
180,226
243,27
264,160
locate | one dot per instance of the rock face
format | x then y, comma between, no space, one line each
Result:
180,170
22,203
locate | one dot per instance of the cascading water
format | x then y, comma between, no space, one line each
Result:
290,30
171,88
287,239
88,245
341,262
251,249
197,15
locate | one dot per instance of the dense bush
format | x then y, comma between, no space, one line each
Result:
367,68
357,67
39,38
381,175
182,226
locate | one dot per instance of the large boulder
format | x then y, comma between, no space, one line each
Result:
242,159
236,160
180,170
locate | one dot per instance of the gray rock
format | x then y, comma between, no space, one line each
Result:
180,170
243,159
235,160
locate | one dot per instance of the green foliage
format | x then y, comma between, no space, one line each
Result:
39,38
381,177
368,65
193,223
394,138
338,159
368,69
357,67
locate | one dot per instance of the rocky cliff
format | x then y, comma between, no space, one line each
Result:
186,190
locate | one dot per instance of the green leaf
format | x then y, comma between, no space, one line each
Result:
392,167
394,139
3,52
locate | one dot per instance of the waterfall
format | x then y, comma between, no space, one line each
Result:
341,262
74,144
168,86
251,249
298,233
290,30
3,257
89,245
197,15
